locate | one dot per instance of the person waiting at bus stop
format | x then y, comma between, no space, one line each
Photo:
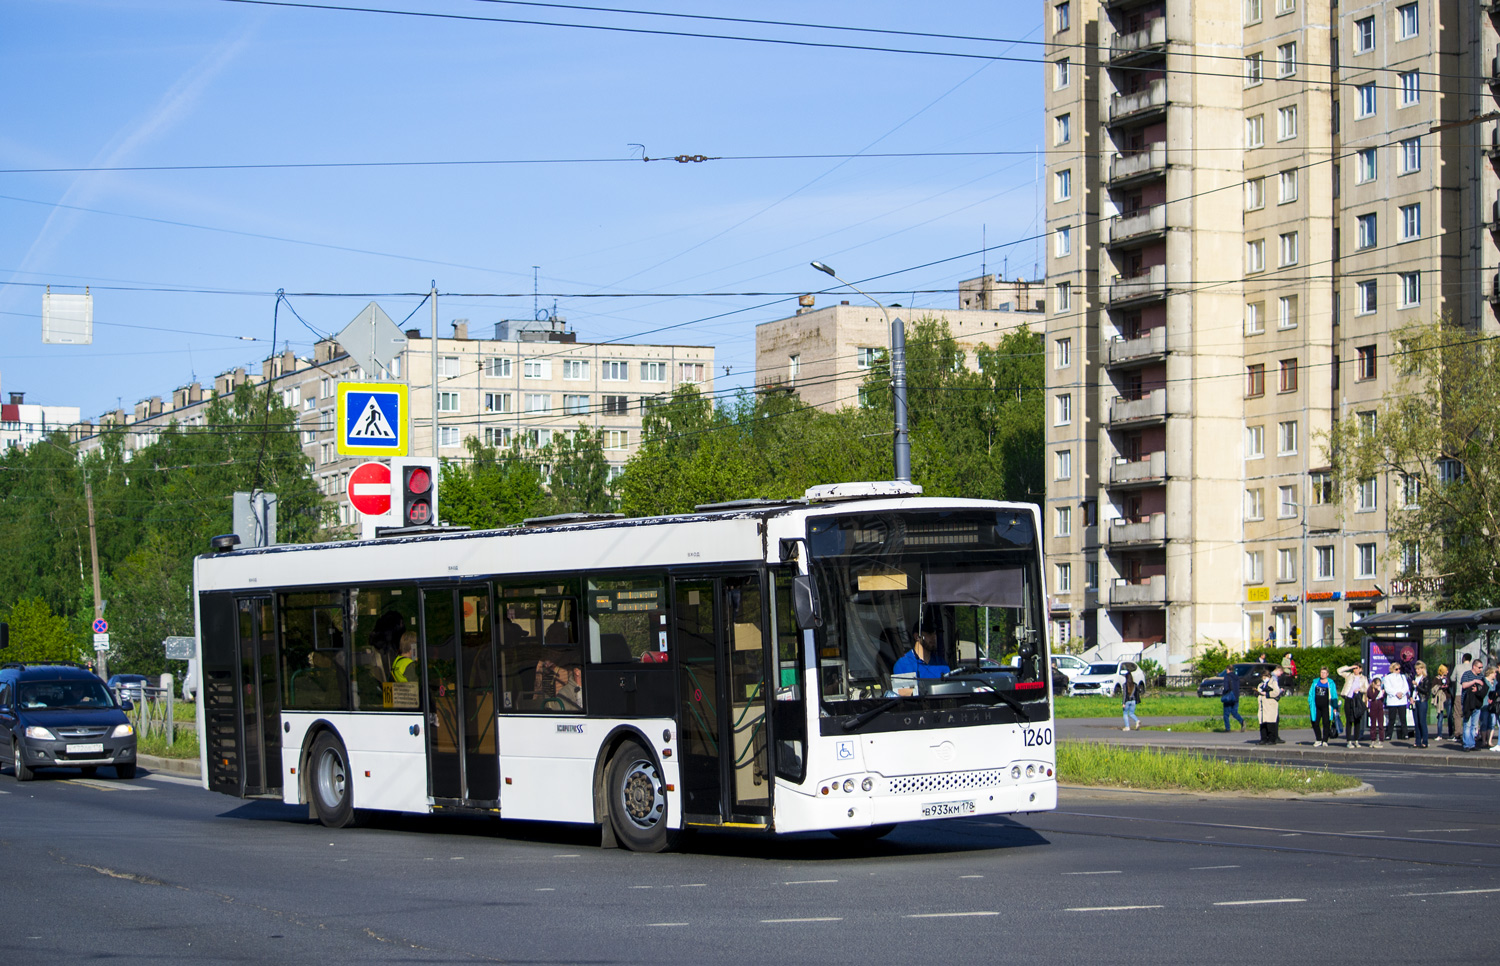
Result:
1322,696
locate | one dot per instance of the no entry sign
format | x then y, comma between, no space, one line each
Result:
370,489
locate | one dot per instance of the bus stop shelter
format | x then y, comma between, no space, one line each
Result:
1433,636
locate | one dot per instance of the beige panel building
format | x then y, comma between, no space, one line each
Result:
528,382
824,354
1246,200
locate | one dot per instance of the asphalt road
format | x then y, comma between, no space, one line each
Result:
157,870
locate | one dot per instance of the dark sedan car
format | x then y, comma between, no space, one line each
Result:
62,716
1249,672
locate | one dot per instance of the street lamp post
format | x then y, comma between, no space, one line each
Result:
902,444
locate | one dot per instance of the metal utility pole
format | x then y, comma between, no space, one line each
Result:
433,296
88,498
902,443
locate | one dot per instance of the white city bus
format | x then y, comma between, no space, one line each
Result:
743,666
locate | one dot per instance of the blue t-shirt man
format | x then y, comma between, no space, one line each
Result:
915,660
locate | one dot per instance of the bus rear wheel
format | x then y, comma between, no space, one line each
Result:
329,781
637,799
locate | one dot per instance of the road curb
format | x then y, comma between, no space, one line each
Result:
1363,788
176,766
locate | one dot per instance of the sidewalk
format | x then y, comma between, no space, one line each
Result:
1298,747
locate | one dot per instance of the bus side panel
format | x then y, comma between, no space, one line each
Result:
219,687
547,765
388,759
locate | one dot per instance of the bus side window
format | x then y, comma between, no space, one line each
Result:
541,658
789,710
387,677
314,653
627,620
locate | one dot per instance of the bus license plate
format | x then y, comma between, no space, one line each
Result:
943,809
85,749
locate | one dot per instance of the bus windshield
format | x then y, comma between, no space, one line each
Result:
929,611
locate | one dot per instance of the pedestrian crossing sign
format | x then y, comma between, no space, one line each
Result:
372,419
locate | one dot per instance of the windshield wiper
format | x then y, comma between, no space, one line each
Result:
865,717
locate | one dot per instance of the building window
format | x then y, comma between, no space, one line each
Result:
1062,242
1286,184
1252,11
1286,59
866,357
1406,21
1411,221
1365,362
1364,35
497,436
1411,491
1287,248
616,439
1255,255
1286,123
1062,16
1062,129
575,369
1288,382
1255,131
497,402
1411,289
1060,79
1063,296
1411,155
1064,464
575,404
1286,502
1368,419
1286,564
1364,231
538,402
692,372
1323,561
447,402
1064,578
1368,301
1255,194
1255,508
653,372
1366,496
1253,570
1064,409
1062,184
1063,521
1366,552
449,436
1365,168
793,367
1062,356
1254,318
327,389
1450,470
616,405
1411,557
1366,102
448,367
610,370
1255,442
1254,69
1286,312
1255,380
1320,488
497,367
1411,90
536,369
1286,438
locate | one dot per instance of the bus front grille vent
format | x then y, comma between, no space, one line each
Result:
947,781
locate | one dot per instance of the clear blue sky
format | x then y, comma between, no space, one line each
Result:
112,83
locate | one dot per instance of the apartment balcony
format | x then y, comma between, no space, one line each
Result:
1145,43
1150,408
1138,225
1133,474
1491,145
1494,290
1149,285
1492,214
1151,347
1151,592
1127,168
1140,105
1322,517
1114,6
1149,532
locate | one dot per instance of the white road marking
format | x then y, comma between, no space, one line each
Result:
106,786
548,889
1366,831
1205,868
653,925
1455,892
1104,872
160,776
810,881
641,887
569,855
694,885
1441,830
1110,908
948,915
811,919
971,877
1257,902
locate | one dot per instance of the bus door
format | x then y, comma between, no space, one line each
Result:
720,624
260,695
459,671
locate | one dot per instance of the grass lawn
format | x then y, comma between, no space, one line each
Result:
1156,703
186,745
1289,722
1088,763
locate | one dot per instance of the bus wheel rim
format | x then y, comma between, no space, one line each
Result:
332,777
642,796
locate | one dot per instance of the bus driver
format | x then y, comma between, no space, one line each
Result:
919,660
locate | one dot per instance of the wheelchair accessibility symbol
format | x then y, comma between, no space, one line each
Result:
845,751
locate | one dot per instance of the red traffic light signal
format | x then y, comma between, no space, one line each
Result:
416,496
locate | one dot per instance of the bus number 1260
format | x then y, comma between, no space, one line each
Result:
1037,737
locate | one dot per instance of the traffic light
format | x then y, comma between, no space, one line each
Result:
418,497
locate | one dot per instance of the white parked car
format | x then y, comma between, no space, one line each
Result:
1070,664
1103,679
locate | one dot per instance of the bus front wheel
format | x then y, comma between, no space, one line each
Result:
637,799
329,780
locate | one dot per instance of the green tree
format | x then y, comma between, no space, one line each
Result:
578,477
150,598
491,488
1437,440
36,634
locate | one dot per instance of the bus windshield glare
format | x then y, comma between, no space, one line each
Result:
930,611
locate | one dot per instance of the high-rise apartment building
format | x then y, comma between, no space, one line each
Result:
1246,199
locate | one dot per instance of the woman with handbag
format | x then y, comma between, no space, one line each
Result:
1355,686
1421,695
1442,699
1269,691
